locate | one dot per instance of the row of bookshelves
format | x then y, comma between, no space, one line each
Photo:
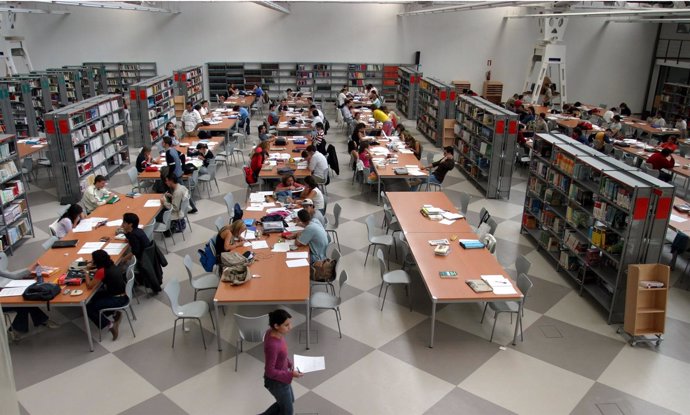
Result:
407,91
120,76
434,104
189,84
152,106
15,218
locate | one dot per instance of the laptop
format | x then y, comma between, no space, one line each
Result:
69,243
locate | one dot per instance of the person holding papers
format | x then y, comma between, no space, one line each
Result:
95,195
279,370
443,166
111,294
136,237
312,191
69,220
314,236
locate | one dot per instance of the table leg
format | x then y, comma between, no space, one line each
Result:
87,323
518,320
378,193
433,323
308,323
215,308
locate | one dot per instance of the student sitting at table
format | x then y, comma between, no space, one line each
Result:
111,294
380,115
203,108
520,138
205,155
287,183
263,134
608,115
376,100
354,154
412,144
286,95
312,191
69,220
625,110
662,160
230,237
273,117
359,133
20,324
143,159
258,93
579,135
316,215
232,91
342,98
671,143
443,166
527,116
658,121
136,237
191,120
682,125
346,110
314,236
365,154
318,164
95,194
615,126
601,139
540,124
172,200
313,107
398,130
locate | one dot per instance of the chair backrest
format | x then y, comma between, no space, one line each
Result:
522,265
371,226
194,179
130,268
683,149
220,222
483,216
464,202
129,288
52,228
172,290
492,225
524,285
382,262
230,204
252,329
608,148
490,242
49,243
132,173
630,161
617,153
521,152
429,157
4,261
167,215
188,266
336,214
28,164
184,206
405,248
211,170
148,230
341,281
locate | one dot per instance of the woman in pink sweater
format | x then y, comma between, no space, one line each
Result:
279,371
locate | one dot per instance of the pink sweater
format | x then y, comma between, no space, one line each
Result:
278,366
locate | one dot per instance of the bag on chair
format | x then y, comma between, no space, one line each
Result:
324,270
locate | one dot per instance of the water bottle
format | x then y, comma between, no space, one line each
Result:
39,274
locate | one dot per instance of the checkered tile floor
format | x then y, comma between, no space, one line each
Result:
571,361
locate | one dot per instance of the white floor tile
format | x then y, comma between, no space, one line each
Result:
580,312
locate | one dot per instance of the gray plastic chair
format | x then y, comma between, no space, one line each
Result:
184,209
28,170
230,204
489,242
493,225
326,301
222,157
4,261
465,199
249,329
209,177
162,227
524,284
220,222
335,255
49,242
407,257
375,237
137,186
389,278
522,265
429,158
206,281
194,310
332,227
128,291
148,230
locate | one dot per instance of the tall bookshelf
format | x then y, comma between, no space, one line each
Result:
389,85
593,218
485,142
152,106
189,86
69,84
407,91
15,219
23,102
86,138
92,83
121,75
674,100
434,105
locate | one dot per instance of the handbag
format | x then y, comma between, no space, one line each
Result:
235,269
324,270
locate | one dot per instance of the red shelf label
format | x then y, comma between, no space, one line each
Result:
500,126
184,76
452,95
50,127
142,95
641,207
63,126
442,95
663,208
133,95
176,77
512,127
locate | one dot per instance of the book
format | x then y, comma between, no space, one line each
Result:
479,286
442,250
471,243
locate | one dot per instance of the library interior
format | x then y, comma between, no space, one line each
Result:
242,207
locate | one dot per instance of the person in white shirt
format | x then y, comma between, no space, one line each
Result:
616,125
191,120
68,220
95,195
204,108
608,115
682,125
342,98
318,165
658,121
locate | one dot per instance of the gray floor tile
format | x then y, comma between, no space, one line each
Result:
158,405
187,359
313,404
443,360
544,294
674,345
459,401
569,347
604,400
33,361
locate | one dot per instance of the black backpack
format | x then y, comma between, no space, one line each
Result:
237,212
44,291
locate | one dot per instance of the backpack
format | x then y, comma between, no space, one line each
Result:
207,256
326,126
235,270
237,212
249,175
324,270
178,225
188,168
43,291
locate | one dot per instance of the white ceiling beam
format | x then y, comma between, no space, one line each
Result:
669,20
273,6
472,6
612,13
113,5
31,11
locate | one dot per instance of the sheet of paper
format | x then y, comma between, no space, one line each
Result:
256,198
451,216
281,247
297,263
153,203
249,235
19,283
12,292
89,247
114,223
84,226
297,255
676,218
275,209
116,245
446,222
306,364
294,228
405,151
254,208
259,245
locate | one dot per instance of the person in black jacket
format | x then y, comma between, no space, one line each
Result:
143,159
111,294
443,166
136,237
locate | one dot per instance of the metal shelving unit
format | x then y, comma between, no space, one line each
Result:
121,75
433,106
189,86
152,106
24,100
408,91
15,217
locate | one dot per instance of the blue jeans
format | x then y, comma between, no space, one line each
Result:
100,301
431,179
21,321
284,397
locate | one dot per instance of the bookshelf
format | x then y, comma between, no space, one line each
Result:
69,84
389,82
593,218
23,102
92,83
15,219
86,138
493,91
433,106
189,83
407,91
121,75
674,100
152,106
485,137
645,308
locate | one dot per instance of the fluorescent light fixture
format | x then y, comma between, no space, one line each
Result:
31,11
115,5
273,6
471,6
612,13
669,20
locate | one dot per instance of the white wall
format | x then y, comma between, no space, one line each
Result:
608,63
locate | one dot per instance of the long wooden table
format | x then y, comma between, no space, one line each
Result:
468,263
242,101
284,128
679,226
288,148
272,283
387,171
25,150
63,257
644,126
185,143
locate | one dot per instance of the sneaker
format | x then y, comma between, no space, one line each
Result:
115,329
193,211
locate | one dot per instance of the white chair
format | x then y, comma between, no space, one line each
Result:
464,202
209,177
28,170
220,222
332,227
194,310
375,237
230,204
522,156
389,278
52,228
239,136
4,261
133,175
489,242
148,230
162,227
206,281
249,329
49,242
522,265
324,300
184,208
524,284
128,291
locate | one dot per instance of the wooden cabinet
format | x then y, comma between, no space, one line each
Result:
645,307
493,91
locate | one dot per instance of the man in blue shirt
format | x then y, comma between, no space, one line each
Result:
172,158
579,135
313,235
258,92
244,118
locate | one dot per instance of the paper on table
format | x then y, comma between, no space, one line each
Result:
114,223
89,247
297,263
405,151
294,228
446,222
281,247
254,208
451,216
84,226
116,246
256,198
297,255
12,292
153,203
416,172
676,218
19,283
259,245
306,364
